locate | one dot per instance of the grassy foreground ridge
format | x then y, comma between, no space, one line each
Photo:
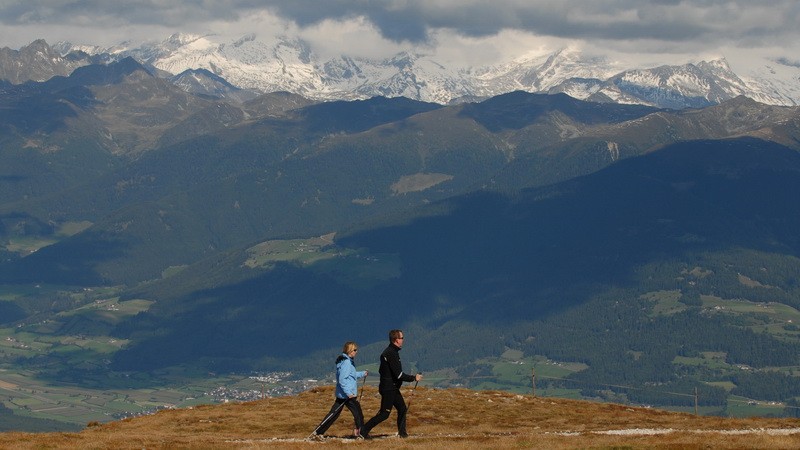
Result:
451,418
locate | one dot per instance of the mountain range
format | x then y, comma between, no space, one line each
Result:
119,130
226,230
287,64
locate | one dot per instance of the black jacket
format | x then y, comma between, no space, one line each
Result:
391,370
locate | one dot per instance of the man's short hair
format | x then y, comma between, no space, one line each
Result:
394,334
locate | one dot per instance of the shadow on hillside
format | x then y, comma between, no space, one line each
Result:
283,314
517,110
361,115
543,250
71,262
494,259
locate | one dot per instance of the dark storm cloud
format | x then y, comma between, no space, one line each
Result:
150,12
669,20
413,20
788,62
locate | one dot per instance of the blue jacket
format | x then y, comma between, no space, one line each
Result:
346,376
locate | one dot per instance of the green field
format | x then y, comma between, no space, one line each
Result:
774,318
770,317
354,268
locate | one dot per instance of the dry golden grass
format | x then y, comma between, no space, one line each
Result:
453,418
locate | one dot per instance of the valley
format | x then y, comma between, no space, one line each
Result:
165,249
57,371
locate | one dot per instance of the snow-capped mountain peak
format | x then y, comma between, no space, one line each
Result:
290,64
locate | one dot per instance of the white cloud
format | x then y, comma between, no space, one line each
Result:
469,32
354,37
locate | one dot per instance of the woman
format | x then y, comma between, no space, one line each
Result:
346,391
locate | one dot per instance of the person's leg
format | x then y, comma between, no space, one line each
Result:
387,400
333,414
358,417
400,406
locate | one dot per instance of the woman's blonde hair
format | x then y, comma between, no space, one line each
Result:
349,346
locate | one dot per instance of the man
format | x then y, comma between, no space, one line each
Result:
392,377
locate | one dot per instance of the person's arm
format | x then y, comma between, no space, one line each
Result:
407,377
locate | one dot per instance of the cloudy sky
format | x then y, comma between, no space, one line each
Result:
470,32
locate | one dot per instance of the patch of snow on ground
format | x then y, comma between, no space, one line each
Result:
655,431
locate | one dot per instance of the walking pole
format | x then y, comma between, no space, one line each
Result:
330,414
362,388
411,396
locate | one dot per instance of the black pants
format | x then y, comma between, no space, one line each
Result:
352,404
389,399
